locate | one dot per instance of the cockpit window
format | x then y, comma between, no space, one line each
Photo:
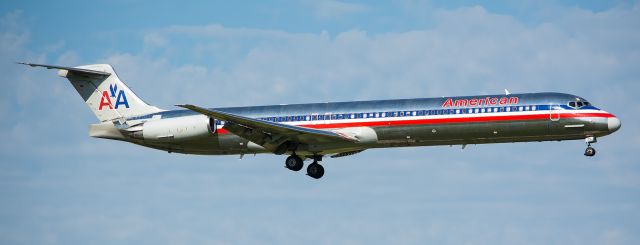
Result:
578,104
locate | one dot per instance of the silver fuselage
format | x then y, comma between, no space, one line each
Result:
407,122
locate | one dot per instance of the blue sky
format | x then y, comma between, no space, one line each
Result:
59,186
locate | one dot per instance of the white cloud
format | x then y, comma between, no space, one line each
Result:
333,9
12,37
154,40
476,50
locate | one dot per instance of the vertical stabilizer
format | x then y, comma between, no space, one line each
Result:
101,89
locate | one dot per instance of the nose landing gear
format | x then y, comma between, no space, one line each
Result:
590,151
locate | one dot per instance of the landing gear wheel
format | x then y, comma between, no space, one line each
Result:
294,163
315,170
589,151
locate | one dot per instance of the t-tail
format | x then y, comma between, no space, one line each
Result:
101,89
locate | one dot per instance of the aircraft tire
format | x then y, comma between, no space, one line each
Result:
294,163
315,170
590,151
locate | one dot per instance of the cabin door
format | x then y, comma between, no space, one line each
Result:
554,119
554,112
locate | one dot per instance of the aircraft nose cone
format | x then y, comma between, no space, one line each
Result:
613,124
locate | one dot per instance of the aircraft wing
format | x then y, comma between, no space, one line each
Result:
270,134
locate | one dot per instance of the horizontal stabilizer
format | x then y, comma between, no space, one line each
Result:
78,71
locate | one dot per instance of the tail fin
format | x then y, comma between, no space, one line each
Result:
101,89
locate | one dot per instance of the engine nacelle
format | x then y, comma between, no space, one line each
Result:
179,128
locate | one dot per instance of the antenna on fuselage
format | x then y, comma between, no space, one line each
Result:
506,92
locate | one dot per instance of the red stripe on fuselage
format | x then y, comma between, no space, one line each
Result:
449,120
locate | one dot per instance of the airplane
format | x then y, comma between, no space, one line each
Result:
335,129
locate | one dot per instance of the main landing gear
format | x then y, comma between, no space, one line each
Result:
295,163
315,170
590,151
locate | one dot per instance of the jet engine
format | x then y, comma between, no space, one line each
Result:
178,129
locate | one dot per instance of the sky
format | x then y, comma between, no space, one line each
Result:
60,186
